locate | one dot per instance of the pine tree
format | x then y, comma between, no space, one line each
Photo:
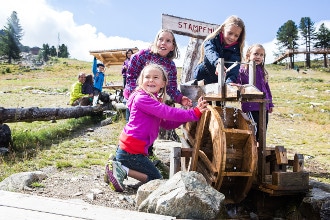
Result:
323,41
10,41
307,30
63,51
287,36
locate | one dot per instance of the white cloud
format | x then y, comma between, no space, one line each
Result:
45,25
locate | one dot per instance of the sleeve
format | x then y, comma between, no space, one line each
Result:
76,92
243,76
269,95
124,68
160,110
172,87
231,76
94,67
211,52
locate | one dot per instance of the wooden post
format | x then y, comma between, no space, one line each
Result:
175,160
262,142
298,163
252,73
221,77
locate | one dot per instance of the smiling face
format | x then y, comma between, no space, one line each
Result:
231,33
165,43
82,77
153,79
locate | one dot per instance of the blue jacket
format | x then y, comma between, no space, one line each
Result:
98,76
213,50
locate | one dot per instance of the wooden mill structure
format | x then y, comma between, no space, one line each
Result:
222,144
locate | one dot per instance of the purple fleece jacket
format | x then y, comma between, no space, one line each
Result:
261,84
148,115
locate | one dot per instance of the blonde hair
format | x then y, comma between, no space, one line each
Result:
248,55
162,92
171,55
231,20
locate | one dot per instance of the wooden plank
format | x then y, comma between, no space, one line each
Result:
113,87
24,206
288,180
186,152
199,134
287,189
207,162
187,27
237,173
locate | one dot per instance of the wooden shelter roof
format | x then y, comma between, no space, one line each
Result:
112,57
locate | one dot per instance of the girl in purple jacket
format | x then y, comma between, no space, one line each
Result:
129,53
148,114
163,50
256,53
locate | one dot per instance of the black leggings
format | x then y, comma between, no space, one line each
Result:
255,116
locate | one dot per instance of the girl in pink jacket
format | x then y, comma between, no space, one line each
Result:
148,114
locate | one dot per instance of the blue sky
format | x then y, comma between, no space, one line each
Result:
85,25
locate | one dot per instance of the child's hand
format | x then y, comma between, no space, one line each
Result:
218,68
185,101
202,104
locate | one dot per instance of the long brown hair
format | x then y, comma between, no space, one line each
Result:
162,92
171,55
231,20
247,59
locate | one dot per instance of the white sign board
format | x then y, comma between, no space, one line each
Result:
187,27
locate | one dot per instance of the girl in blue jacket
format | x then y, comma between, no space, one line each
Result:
226,42
148,114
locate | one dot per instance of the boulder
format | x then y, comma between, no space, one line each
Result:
186,195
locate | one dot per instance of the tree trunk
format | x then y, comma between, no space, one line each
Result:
46,114
325,60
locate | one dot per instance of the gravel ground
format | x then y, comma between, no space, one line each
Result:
86,184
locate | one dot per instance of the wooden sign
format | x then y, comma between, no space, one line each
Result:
188,27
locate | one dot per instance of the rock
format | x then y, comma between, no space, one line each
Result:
146,189
21,181
186,195
316,204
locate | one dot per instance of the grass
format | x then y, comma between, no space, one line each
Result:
300,121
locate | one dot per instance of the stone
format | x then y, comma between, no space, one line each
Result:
186,195
21,181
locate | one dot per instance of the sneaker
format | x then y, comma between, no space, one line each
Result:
111,158
118,172
110,178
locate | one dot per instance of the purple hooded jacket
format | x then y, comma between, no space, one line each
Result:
261,84
147,116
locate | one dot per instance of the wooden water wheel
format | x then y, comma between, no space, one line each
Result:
224,151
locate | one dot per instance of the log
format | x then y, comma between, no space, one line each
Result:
47,114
